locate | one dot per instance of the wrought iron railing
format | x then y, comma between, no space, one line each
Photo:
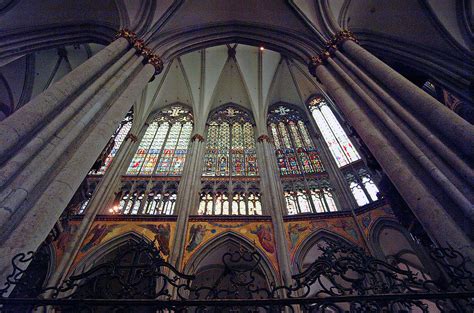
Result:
342,279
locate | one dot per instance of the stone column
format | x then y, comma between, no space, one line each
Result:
102,197
395,161
188,196
441,119
274,196
32,116
46,201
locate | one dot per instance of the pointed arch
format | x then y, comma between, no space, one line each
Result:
228,240
105,249
311,242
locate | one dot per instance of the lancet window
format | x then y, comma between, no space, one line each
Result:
336,138
239,198
362,186
162,151
315,198
158,199
230,174
295,150
108,154
230,147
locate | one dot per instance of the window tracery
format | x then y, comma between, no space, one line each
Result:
295,151
229,163
316,198
113,146
136,199
362,186
162,151
230,149
240,198
336,138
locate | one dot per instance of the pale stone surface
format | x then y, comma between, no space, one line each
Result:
29,117
440,226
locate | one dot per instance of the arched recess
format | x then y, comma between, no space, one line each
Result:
208,259
309,251
178,42
390,241
104,250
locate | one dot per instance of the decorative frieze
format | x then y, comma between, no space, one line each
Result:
140,46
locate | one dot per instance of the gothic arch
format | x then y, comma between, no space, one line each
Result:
226,240
231,105
311,241
156,111
178,42
413,254
103,250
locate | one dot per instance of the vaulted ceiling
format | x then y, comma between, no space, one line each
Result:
252,77
431,36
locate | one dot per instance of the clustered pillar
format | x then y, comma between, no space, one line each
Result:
423,147
48,146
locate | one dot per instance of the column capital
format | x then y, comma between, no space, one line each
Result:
132,137
331,47
139,45
263,138
198,137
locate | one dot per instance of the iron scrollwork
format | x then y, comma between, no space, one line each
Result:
342,279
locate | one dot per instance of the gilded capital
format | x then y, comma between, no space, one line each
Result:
198,137
127,34
344,35
314,62
263,138
132,137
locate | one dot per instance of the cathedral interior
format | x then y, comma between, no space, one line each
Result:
236,156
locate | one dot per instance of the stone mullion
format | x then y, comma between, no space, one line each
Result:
393,160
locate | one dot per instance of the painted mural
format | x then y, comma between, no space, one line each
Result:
161,232
367,219
258,232
298,230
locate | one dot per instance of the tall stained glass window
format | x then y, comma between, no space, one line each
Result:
230,147
115,142
162,151
230,155
295,150
339,144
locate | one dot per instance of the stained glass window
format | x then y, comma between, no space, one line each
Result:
230,152
230,149
295,151
300,200
160,201
162,151
362,186
118,137
339,144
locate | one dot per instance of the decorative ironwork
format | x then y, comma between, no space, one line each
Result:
342,279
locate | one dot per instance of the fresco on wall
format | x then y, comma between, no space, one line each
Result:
299,230
101,232
367,219
260,233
